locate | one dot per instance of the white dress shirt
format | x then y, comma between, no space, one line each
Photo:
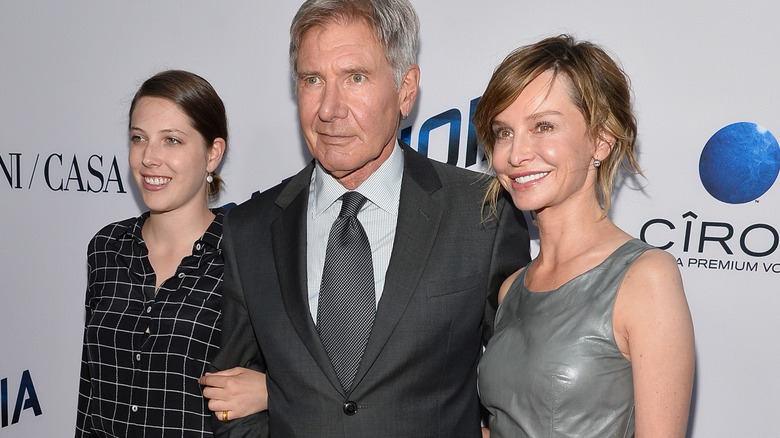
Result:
379,217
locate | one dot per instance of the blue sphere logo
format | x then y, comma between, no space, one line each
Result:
739,163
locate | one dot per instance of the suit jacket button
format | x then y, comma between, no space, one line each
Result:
350,408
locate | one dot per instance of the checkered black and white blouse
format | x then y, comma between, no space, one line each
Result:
136,382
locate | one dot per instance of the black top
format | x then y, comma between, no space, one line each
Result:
144,350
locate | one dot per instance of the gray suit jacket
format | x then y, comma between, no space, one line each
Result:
418,374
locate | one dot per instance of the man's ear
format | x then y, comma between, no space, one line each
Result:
409,89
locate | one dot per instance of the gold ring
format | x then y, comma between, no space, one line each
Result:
224,416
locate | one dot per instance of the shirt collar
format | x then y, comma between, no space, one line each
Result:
133,231
382,188
212,237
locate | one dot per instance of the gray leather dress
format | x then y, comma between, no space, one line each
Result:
552,368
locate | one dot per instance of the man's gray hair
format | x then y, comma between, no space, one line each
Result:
395,23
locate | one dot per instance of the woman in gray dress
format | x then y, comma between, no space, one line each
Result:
594,337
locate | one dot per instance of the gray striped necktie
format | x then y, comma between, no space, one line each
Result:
346,307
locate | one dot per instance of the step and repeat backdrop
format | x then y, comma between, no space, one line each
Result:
704,76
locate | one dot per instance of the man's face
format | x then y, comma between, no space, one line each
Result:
348,102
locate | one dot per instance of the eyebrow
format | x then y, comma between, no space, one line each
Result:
535,116
303,74
349,70
170,130
543,114
356,69
167,130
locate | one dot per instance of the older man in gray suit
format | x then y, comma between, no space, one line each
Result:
402,362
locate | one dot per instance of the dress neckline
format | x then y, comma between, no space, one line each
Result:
611,256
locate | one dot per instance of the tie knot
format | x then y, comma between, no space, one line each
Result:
351,202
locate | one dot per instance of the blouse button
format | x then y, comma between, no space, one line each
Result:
149,309
134,408
198,246
138,356
181,274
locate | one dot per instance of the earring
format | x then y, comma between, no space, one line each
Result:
209,178
596,162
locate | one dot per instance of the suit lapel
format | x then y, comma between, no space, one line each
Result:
419,217
289,244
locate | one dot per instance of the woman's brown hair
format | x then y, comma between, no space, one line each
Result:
198,100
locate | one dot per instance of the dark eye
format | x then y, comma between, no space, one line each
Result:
544,127
503,133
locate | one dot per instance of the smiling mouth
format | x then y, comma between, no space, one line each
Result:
156,181
529,178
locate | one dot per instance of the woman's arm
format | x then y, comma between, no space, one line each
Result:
653,327
506,284
239,391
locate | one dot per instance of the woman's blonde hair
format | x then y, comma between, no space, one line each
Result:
598,87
